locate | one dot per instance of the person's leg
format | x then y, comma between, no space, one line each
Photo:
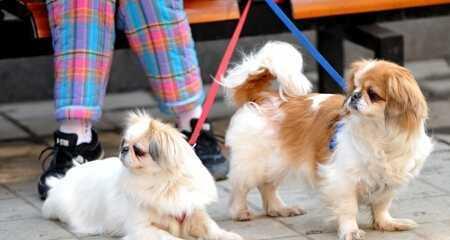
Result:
83,37
159,33
83,40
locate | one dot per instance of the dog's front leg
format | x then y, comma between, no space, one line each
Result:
203,227
345,206
147,232
348,227
382,219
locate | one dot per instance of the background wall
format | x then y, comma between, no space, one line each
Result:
32,78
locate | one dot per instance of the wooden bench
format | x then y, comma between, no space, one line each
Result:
304,9
31,30
197,11
334,21
206,11
385,43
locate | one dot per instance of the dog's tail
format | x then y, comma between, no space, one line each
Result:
251,80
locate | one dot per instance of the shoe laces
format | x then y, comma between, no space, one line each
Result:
208,142
52,152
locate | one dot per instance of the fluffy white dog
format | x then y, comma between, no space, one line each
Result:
355,149
156,189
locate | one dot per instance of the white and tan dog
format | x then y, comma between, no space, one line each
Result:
156,189
355,150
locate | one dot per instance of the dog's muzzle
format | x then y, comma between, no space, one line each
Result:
124,150
123,153
356,96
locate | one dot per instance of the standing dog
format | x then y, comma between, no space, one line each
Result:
355,149
156,189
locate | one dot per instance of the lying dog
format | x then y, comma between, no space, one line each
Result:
156,189
355,149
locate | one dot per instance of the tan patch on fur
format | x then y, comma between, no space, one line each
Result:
195,225
254,88
405,102
198,223
305,134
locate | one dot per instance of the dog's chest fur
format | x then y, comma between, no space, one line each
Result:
381,167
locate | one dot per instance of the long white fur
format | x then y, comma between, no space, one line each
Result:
318,99
370,159
105,197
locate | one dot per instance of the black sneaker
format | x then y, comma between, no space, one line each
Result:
64,155
208,150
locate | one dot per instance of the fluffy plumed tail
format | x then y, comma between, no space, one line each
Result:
251,80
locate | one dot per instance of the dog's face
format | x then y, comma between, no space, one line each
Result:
384,91
149,145
163,171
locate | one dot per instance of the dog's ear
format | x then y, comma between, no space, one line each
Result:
405,102
354,67
161,146
167,146
154,151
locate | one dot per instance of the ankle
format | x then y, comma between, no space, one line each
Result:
184,119
83,130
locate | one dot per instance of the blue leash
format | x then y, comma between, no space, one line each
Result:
303,40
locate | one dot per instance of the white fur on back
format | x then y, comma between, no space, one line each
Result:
318,99
88,198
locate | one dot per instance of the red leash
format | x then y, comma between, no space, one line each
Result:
209,102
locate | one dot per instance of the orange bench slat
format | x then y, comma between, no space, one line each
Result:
302,9
203,11
198,11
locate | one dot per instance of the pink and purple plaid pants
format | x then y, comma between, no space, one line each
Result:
83,38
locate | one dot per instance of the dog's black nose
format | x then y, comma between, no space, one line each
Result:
355,97
125,149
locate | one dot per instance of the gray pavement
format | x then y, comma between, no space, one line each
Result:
25,129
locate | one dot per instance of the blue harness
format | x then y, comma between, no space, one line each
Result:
333,141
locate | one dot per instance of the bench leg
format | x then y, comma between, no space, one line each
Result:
330,44
385,43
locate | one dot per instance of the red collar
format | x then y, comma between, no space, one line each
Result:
180,219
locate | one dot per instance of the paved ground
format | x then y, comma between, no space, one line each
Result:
25,130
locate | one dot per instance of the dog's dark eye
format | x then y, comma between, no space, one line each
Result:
374,97
138,151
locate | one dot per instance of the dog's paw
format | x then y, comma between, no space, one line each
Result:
286,212
243,215
394,225
353,235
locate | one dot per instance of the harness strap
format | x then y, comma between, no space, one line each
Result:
180,219
333,141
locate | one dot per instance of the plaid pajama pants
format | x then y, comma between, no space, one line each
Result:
83,39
